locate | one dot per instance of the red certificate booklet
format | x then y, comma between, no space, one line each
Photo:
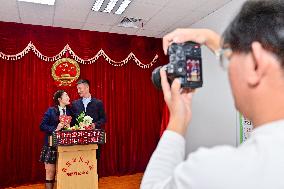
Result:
65,119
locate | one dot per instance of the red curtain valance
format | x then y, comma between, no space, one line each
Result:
67,50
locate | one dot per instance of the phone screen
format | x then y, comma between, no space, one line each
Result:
193,65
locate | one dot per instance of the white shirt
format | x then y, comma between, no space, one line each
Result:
86,102
61,110
258,163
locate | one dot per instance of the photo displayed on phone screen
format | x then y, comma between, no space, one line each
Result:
193,70
193,66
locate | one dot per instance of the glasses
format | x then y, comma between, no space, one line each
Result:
223,55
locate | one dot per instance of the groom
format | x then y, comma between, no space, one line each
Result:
91,106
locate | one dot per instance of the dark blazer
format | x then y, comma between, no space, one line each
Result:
50,121
95,109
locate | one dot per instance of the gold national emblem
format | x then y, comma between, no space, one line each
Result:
65,71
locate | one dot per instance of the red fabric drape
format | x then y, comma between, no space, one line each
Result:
133,106
165,119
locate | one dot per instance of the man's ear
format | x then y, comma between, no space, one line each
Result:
258,66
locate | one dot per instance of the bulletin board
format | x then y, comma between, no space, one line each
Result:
245,127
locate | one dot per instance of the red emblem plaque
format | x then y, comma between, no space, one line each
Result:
65,71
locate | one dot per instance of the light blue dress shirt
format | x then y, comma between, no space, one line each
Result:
86,102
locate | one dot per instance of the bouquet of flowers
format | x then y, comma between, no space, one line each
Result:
84,123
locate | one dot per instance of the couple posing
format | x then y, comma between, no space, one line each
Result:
50,122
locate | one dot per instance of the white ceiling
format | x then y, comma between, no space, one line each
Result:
158,16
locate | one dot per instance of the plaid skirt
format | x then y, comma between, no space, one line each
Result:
48,154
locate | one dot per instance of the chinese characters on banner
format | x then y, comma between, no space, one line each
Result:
86,166
245,128
78,137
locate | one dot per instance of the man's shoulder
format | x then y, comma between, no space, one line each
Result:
222,158
220,166
77,101
96,100
69,108
217,152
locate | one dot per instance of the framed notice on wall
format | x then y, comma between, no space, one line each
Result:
244,128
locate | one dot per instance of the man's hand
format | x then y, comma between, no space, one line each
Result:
179,103
202,36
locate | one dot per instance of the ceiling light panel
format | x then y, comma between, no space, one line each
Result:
97,5
45,2
122,7
111,6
